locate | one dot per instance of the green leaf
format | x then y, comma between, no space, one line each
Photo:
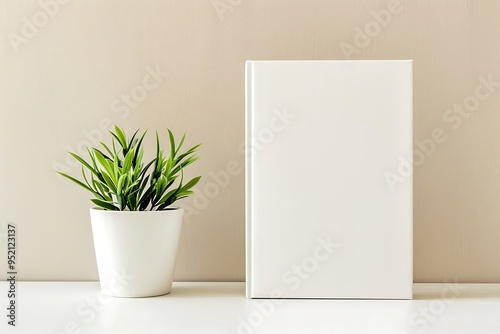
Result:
132,185
167,196
148,195
94,164
190,184
183,155
116,167
85,178
136,171
159,159
167,203
104,204
121,182
80,183
131,141
184,164
145,201
184,194
83,162
172,144
145,169
168,169
105,156
138,150
180,144
132,202
157,145
110,183
106,164
113,145
103,189
161,185
180,183
106,148
120,136
121,202
127,163
159,165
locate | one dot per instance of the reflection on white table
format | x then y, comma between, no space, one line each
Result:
69,307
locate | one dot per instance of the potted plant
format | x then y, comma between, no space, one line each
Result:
136,228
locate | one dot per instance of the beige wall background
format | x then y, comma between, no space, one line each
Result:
65,77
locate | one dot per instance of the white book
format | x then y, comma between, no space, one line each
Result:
329,210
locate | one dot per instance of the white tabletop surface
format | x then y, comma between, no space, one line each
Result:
75,307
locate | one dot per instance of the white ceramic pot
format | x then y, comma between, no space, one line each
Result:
136,250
